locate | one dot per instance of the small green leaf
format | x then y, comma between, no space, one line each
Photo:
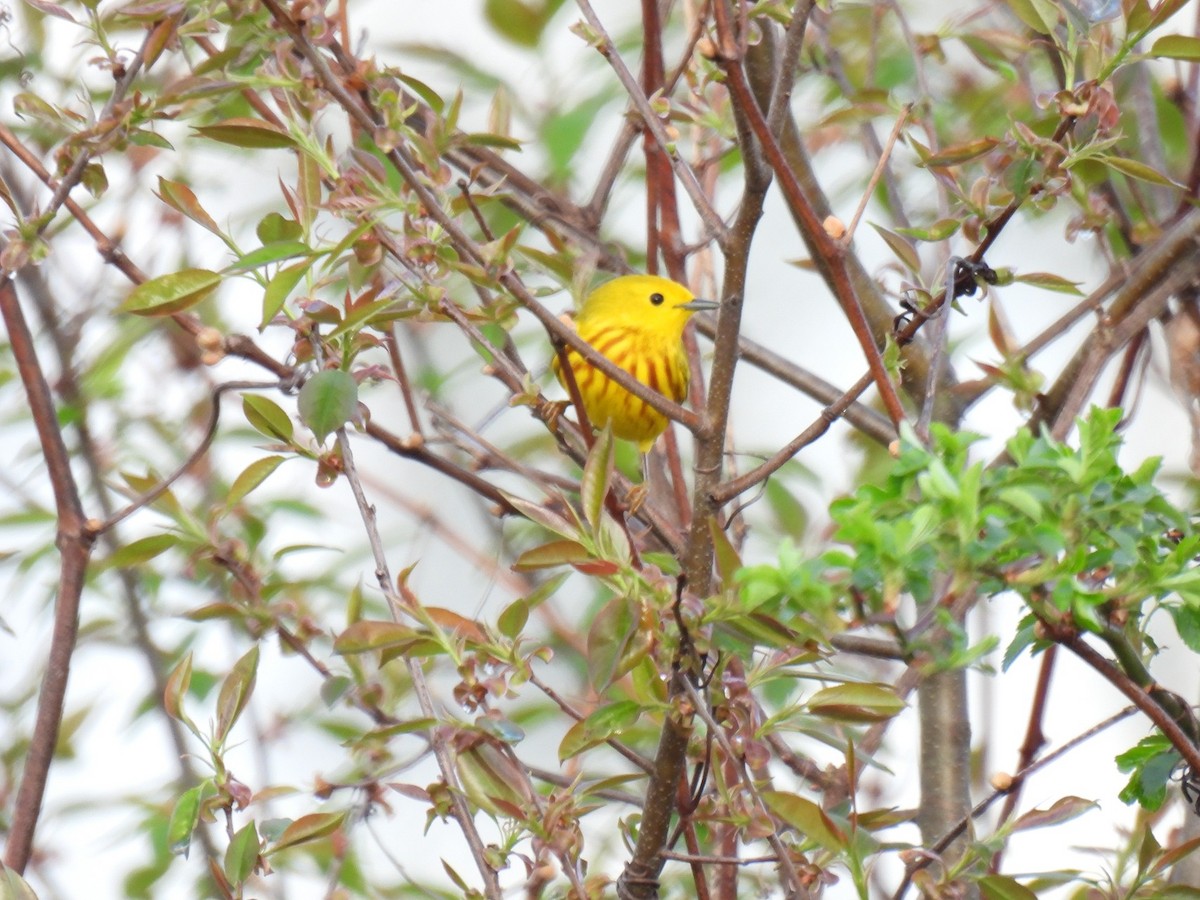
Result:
1001,887
308,828
251,477
279,288
615,718
597,472
14,887
513,618
1136,169
613,645
269,253
369,634
184,818
267,417
548,556
1062,810
327,401
807,818
177,686
171,293
958,154
235,693
902,247
1039,15
242,854
938,231
141,551
1050,282
274,228
856,702
1177,46
253,134
180,197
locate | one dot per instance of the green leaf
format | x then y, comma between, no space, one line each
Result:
242,854
180,197
141,551
253,134
1001,887
1177,46
251,477
177,686
327,402
1062,810
280,287
1187,623
856,702
1135,169
274,228
369,634
597,471
269,253
171,293
521,21
612,645
615,718
938,231
958,154
512,620
1039,15
235,693
902,247
14,887
424,91
551,555
267,417
184,818
308,828
807,818
1050,282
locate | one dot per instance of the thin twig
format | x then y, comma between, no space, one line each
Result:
691,184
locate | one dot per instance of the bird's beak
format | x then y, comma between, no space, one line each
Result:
697,305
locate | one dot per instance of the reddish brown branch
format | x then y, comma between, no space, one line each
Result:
74,539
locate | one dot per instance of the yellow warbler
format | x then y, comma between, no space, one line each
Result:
637,321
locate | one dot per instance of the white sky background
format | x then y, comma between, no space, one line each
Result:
119,759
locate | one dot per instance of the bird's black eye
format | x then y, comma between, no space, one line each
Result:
657,299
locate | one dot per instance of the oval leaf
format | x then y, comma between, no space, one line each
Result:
184,818
252,133
242,854
267,417
181,198
1177,46
235,693
807,818
172,293
856,703
327,401
251,477
555,553
366,634
308,828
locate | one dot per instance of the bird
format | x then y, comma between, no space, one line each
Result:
636,321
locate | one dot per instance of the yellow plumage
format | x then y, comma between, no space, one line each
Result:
637,321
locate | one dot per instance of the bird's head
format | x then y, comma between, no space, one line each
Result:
645,301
